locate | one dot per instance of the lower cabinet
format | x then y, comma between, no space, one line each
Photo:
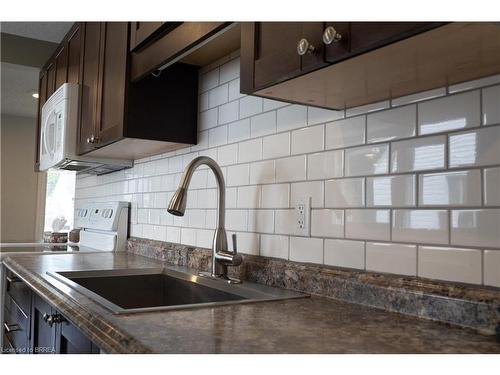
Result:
36,327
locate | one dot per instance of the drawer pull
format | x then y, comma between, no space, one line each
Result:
303,47
13,279
11,327
331,35
53,319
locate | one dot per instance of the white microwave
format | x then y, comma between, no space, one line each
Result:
58,136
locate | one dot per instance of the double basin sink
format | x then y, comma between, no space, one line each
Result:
124,291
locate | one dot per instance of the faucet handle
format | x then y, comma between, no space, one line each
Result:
235,244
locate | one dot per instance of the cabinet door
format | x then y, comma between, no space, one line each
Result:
70,340
113,71
90,85
43,335
61,67
141,31
74,46
51,79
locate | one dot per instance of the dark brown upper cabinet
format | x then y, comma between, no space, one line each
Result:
341,65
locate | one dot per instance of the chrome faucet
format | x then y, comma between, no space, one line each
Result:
221,256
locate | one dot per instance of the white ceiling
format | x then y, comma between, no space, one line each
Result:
49,31
18,83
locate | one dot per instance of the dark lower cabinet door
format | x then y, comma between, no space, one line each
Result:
70,340
44,334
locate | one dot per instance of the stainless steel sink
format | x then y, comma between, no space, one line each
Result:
143,290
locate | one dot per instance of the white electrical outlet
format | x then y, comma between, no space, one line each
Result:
303,211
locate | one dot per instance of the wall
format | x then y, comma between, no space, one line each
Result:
19,183
408,186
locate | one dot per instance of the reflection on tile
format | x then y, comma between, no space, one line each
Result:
418,154
491,105
424,95
291,169
476,227
313,189
481,82
392,124
308,139
391,258
327,223
346,192
397,191
420,226
345,253
367,160
275,196
480,147
344,133
450,264
367,224
492,186
491,267
451,188
449,113
325,165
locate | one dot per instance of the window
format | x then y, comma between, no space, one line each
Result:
59,199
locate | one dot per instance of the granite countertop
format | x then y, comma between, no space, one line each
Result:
308,325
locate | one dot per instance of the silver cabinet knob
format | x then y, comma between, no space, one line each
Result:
330,35
92,139
304,47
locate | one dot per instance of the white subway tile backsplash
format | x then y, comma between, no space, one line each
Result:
345,253
320,115
449,113
249,197
217,136
491,105
237,220
275,146
292,117
306,250
208,119
367,160
229,71
413,98
306,140
238,175
291,169
462,188
250,150
345,133
492,186
324,165
367,108
476,227
274,246
275,196
418,154
263,124
396,191
492,267
451,264
391,124
229,112
248,243
480,147
368,224
250,105
313,189
218,96
239,130
227,154
391,258
262,172
420,226
188,236
270,104
327,223
261,221
285,222
346,192
234,90
209,80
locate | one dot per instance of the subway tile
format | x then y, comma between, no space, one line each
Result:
217,136
424,95
275,146
450,264
237,175
248,197
285,222
391,258
207,198
324,165
313,189
345,253
367,108
368,224
229,71
197,218
449,113
274,246
396,191
420,226
188,236
173,234
247,243
491,105
306,140
367,160
476,227
492,267
291,169
209,80
202,141
480,147
208,119
234,90
262,172
228,112
486,81
263,124
306,250
250,105
270,104
250,150
327,223
204,238
237,220
461,188
346,192
345,133
227,154
218,96
492,186
320,115
231,197
292,117
238,130
261,221
418,154
275,196
391,124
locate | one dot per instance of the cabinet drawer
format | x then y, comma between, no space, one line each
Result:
16,326
18,291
